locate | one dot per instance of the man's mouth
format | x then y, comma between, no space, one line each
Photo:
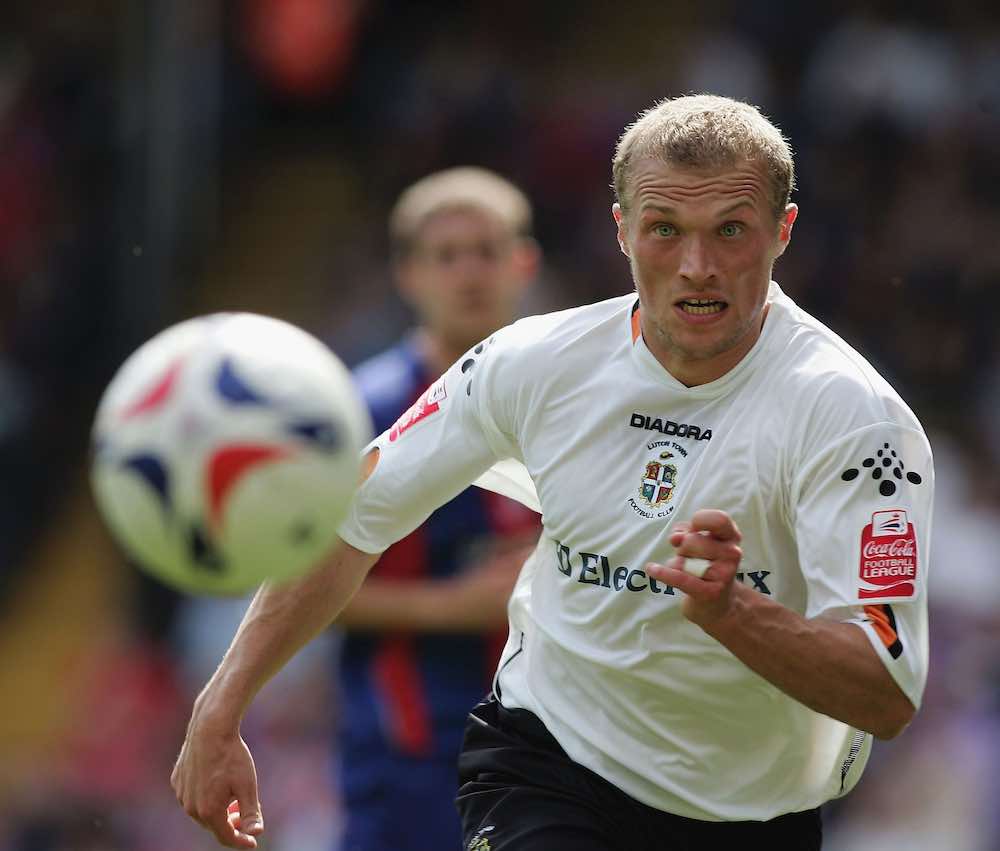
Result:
701,306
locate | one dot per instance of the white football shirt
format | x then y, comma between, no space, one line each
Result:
825,470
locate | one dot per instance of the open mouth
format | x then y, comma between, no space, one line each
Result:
701,306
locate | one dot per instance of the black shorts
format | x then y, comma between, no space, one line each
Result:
519,791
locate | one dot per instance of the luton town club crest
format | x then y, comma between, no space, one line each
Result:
658,481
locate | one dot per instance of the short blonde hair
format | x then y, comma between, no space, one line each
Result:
706,131
465,187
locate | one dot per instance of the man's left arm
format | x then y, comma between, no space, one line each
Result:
829,666
858,649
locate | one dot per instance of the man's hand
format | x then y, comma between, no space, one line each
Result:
711,535
214,767
829,666
213,771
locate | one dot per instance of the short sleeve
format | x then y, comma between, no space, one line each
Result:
449,437
862,516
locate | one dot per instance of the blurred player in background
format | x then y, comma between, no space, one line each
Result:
425,630
728,600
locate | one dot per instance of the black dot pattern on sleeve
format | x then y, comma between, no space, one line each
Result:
889,460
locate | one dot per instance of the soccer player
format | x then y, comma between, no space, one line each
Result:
728,598
424,631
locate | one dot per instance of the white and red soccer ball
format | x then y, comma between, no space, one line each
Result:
226,452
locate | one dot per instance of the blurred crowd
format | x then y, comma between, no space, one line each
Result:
159,160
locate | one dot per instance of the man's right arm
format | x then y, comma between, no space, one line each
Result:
214,766
448,439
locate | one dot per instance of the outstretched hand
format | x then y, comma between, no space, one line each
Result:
216,783
711,535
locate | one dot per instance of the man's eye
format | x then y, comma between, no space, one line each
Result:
731,229
664,230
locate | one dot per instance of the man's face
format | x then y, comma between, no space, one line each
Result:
465,274
701,245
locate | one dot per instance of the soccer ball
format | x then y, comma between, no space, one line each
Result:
226,452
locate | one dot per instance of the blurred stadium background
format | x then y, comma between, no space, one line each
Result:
160,159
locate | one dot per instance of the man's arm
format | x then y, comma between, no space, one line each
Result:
830,667
214,766
451,437
473,600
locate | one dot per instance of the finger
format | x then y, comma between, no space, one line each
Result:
177,778
678,531
717,523
709,584
176,785
225,832
248,806
701,545
696,566
233,816
671,574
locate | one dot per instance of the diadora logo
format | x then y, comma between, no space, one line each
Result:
669,427
882,463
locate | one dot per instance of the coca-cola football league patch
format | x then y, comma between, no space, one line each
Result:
888,557
429,403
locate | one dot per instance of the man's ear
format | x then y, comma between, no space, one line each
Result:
528,258
785,228
787,221
619,217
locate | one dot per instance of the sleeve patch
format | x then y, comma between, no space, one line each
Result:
884,622
429,403
888,563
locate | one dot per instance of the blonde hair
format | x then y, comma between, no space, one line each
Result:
465,187
706,131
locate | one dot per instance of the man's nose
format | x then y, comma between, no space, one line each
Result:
697,261
472,261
